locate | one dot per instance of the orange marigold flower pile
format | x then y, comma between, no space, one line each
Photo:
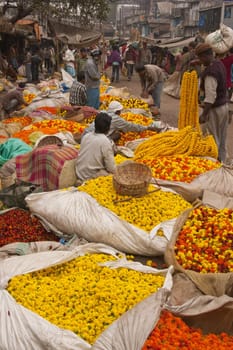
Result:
180,168
24,121
205,242
172,333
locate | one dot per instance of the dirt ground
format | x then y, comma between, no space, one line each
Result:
169,107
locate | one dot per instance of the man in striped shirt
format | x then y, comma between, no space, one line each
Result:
78,92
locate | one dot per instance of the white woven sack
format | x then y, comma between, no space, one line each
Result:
73,212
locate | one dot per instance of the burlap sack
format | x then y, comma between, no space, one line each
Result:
215,284
209,313
68,175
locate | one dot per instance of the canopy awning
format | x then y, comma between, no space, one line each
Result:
72,35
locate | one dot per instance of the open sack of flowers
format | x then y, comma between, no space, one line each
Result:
94,216
213,277
161,321
57,315
132,179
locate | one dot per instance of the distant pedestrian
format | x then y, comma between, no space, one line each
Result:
28,65
69,61
35,65
145,55
81,60
114,60
92,79
130,58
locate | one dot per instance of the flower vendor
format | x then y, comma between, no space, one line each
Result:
78,91
119,124
152,78
96,157
214,88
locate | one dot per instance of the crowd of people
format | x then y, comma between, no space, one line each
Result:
153,66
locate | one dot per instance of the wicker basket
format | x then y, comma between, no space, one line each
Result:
132,179
50,140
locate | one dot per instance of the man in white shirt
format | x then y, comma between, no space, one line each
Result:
96,157
118,124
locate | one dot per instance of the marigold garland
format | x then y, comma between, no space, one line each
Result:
205,242
187,142
82,296
189,112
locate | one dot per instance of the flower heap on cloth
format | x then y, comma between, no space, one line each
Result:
83,296
44,164
137,119
127,103
24,121
59,125
144,212
180,168
172,333
205,242
17,225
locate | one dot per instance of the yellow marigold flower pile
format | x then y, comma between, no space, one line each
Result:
82,296
59,124
127,103
189,113
144,212
205,242
180,168
137,118
29,97
104,84
120,159
188,142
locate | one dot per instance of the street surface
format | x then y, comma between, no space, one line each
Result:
169,107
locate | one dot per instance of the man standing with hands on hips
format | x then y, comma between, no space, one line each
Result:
213,88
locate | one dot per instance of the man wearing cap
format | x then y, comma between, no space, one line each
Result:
92,79
213,88
119,124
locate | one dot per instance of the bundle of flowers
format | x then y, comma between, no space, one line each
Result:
205,242
144,212
81,295
179,168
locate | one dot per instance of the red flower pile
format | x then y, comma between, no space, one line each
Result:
17,225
